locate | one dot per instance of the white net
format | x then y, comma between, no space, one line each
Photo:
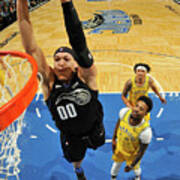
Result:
14,74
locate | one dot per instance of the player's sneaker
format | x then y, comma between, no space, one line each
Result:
137,178
80,174
113,177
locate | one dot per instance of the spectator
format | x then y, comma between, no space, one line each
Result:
1,20
1,4
6,14
12,9
8,10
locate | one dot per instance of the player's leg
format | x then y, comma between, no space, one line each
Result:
118,159
115,169
74,151
79,170
137,173
136,169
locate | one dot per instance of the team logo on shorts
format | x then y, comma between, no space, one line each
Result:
79,96
116,20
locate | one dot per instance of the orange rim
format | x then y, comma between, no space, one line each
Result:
16,106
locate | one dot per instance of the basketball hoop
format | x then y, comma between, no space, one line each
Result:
15,106
16,93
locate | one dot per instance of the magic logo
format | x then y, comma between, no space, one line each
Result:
115,20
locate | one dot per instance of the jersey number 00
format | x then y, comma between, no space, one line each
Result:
66,112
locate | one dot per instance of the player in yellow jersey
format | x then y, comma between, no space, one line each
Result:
3,69
131,137
138,86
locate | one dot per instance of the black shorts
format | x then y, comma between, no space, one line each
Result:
74,148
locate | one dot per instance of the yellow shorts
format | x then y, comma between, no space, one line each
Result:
119,157
2,77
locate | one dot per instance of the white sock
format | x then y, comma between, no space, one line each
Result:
115,168
137,172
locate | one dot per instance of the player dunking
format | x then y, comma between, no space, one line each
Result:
69,88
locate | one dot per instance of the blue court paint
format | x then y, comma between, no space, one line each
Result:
116,21
42,158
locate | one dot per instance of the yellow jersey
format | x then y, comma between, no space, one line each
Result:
128,142
2,77
137,91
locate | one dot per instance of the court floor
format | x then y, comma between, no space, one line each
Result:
120,33
42,158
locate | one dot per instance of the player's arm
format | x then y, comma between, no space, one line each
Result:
27,35
139,156
155,89
144,140
122,112
127,88
29,43
78,43
115,135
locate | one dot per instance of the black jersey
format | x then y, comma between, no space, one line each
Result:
75,108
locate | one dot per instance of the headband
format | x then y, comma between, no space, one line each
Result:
68,50
141,68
